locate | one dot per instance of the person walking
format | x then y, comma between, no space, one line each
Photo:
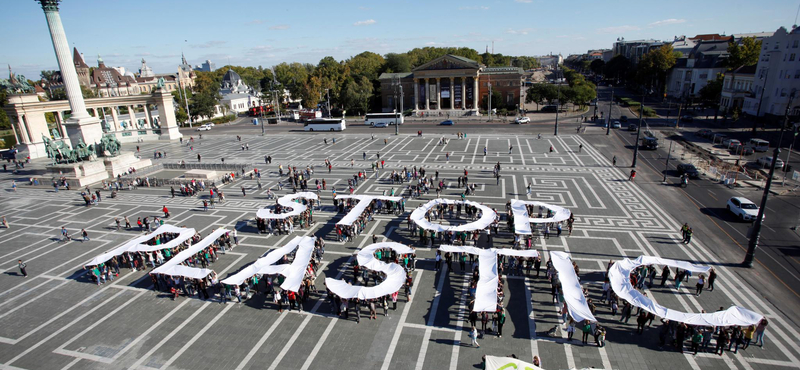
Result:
701,281
580,148
632,176
166,211
762,326
22,267
474,336
85,235
614,161
688,237
5,223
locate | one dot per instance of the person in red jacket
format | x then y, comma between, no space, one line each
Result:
166,212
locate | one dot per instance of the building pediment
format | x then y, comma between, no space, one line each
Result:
449,62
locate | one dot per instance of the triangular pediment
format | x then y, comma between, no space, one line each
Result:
449,62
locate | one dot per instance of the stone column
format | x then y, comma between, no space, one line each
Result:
23,129
416,94
60,121
475,93
148,117
452,93
132,116
94,110
438,93
81,125
463,93
427,94
115,118
166,116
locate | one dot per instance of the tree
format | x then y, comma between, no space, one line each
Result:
711,93
526,63
356,95
617,67
744,54
202,105
651,72
292,76
366,64
497,101
396,63
5,123
597,66
540,93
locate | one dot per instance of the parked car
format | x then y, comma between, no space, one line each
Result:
743,208
729,143
742,149
522,120
688,169
616,124
705,133
447,123
687,118
767,160
623,118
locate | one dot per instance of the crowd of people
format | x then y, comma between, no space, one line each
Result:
280,226
341,307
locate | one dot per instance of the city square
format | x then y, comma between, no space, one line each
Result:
58,318
246,217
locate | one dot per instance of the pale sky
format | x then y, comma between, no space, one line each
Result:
256,32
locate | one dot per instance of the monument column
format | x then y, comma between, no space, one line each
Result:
416,94
452,93
427,94
438,93
166,117
60,121
80,126
463,93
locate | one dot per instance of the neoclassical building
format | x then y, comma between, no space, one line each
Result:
450,85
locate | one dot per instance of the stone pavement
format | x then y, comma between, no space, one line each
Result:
57,319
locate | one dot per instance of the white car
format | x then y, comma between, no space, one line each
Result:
381,124
767,161
521,120
204,128
616,124
743,208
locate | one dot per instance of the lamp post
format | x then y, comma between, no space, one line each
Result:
638,133
558,96
666,165
756,232
794,133
610,105
760,99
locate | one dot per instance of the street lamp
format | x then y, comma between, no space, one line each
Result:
760,99
610,105
558,96
638,133
756,232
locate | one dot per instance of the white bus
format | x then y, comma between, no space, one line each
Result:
371,119
325,124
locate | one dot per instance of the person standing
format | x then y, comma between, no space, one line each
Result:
587,329
688,237
712,275
22,267
166,211
5,223
501,319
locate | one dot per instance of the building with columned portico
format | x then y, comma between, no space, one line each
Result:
450,85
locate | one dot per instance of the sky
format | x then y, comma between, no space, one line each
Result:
265,33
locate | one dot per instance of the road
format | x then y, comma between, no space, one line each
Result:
776,273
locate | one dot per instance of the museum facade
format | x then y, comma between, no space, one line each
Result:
450,85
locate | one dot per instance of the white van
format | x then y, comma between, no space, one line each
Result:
759,145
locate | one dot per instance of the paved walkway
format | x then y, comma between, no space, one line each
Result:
57,319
